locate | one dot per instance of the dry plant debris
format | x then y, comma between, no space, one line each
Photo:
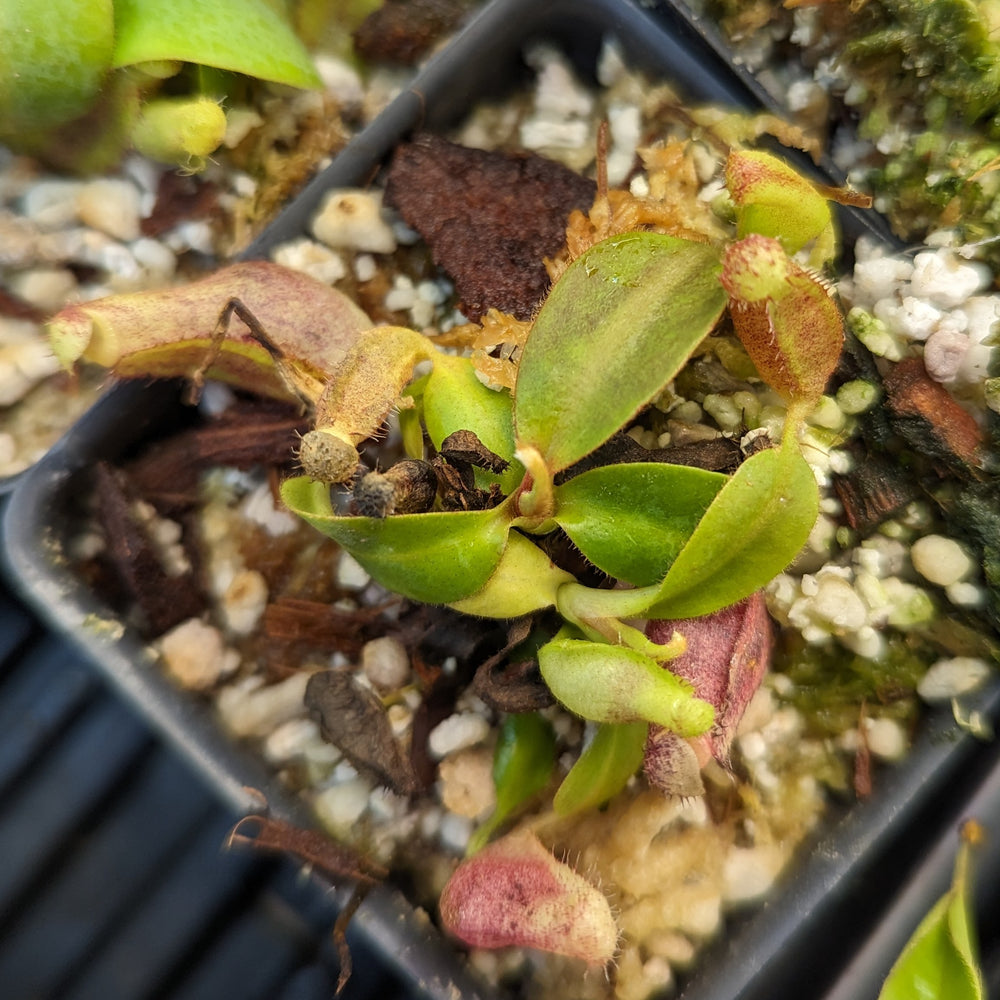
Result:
490,219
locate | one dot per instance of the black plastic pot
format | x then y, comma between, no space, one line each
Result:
863,975
770,952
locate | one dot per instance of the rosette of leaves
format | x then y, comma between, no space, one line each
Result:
682,542
615,329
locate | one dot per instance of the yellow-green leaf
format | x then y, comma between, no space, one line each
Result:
435,558
525,580
754,528
245,36
616,327
940,961
54,57
617,684
631,520
773,199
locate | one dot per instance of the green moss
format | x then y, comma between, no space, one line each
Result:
831,684
977,510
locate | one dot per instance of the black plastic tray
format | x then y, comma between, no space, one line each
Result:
769,952
930,879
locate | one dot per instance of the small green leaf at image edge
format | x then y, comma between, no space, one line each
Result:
940,961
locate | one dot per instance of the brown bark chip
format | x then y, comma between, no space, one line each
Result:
404,31
489,218
929,418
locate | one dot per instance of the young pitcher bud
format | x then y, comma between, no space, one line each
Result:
728,653
181,131
773,199
328,456
514,892
785,318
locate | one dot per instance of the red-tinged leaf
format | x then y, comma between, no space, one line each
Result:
785,318
514,892
671,763
168,332
728,653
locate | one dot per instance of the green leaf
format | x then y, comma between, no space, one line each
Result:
632,520
435,558
245,36
522,765
525,580
617,684
454,399
940,960
603,769
754,528
53,60
616,327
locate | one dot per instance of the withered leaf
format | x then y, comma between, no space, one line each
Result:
512,686
334,860
319,623
456,483
403,31
874,489
353,719
720,454
408,487
489,218
180,198
930,419
163,600
247,434
465,446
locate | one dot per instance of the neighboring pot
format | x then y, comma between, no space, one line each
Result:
785,943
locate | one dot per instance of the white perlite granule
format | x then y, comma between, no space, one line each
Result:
951,677
352,220
941,560
386,663
196,656
458,731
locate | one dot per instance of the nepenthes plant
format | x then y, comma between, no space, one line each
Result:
492,475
